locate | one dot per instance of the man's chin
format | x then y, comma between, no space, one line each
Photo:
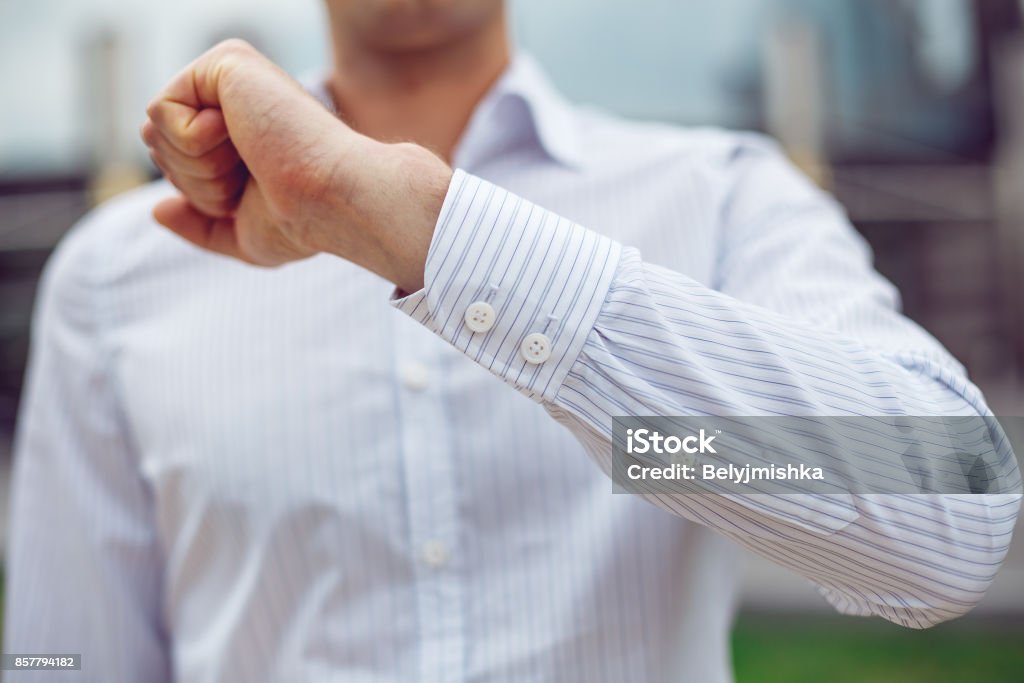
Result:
419,26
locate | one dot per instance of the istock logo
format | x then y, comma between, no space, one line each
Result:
641,441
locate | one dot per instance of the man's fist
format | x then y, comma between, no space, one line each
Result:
267,175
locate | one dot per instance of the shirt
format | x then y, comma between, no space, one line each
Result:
226,473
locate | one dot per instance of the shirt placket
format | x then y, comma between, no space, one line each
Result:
430,483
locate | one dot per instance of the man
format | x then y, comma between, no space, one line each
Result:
228,472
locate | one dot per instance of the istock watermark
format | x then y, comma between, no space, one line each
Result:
819,455
647,441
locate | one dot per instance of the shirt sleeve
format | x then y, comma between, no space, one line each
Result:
797,322
83,564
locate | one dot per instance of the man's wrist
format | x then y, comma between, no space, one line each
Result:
427,178
392,194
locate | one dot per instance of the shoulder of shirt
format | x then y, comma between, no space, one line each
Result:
108,244
608,137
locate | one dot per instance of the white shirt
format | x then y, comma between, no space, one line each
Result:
226,473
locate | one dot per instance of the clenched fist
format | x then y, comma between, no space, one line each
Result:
268,176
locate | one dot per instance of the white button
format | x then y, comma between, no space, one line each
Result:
480,316
416,376
536,348
435,554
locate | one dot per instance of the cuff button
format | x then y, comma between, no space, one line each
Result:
536,348
480,316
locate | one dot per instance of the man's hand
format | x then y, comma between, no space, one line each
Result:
268,176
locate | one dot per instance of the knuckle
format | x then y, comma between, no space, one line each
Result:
147,133
234,46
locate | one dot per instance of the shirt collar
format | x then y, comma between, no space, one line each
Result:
523,97
522,100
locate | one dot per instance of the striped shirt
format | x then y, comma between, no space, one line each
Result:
226,473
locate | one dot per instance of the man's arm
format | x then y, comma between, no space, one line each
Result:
818,335
83,565
629,338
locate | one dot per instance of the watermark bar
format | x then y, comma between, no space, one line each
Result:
817,455
40,662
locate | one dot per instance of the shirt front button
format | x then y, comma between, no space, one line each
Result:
536,348
435,554
415,376
480,316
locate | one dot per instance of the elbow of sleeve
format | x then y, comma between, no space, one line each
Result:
917,617
906,608
940,576
953,603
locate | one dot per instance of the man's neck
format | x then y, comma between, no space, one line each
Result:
423,96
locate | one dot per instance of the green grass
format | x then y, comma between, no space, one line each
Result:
772,648
794,649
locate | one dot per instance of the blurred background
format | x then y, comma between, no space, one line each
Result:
910,111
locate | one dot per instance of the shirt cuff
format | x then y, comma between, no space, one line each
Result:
511,285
